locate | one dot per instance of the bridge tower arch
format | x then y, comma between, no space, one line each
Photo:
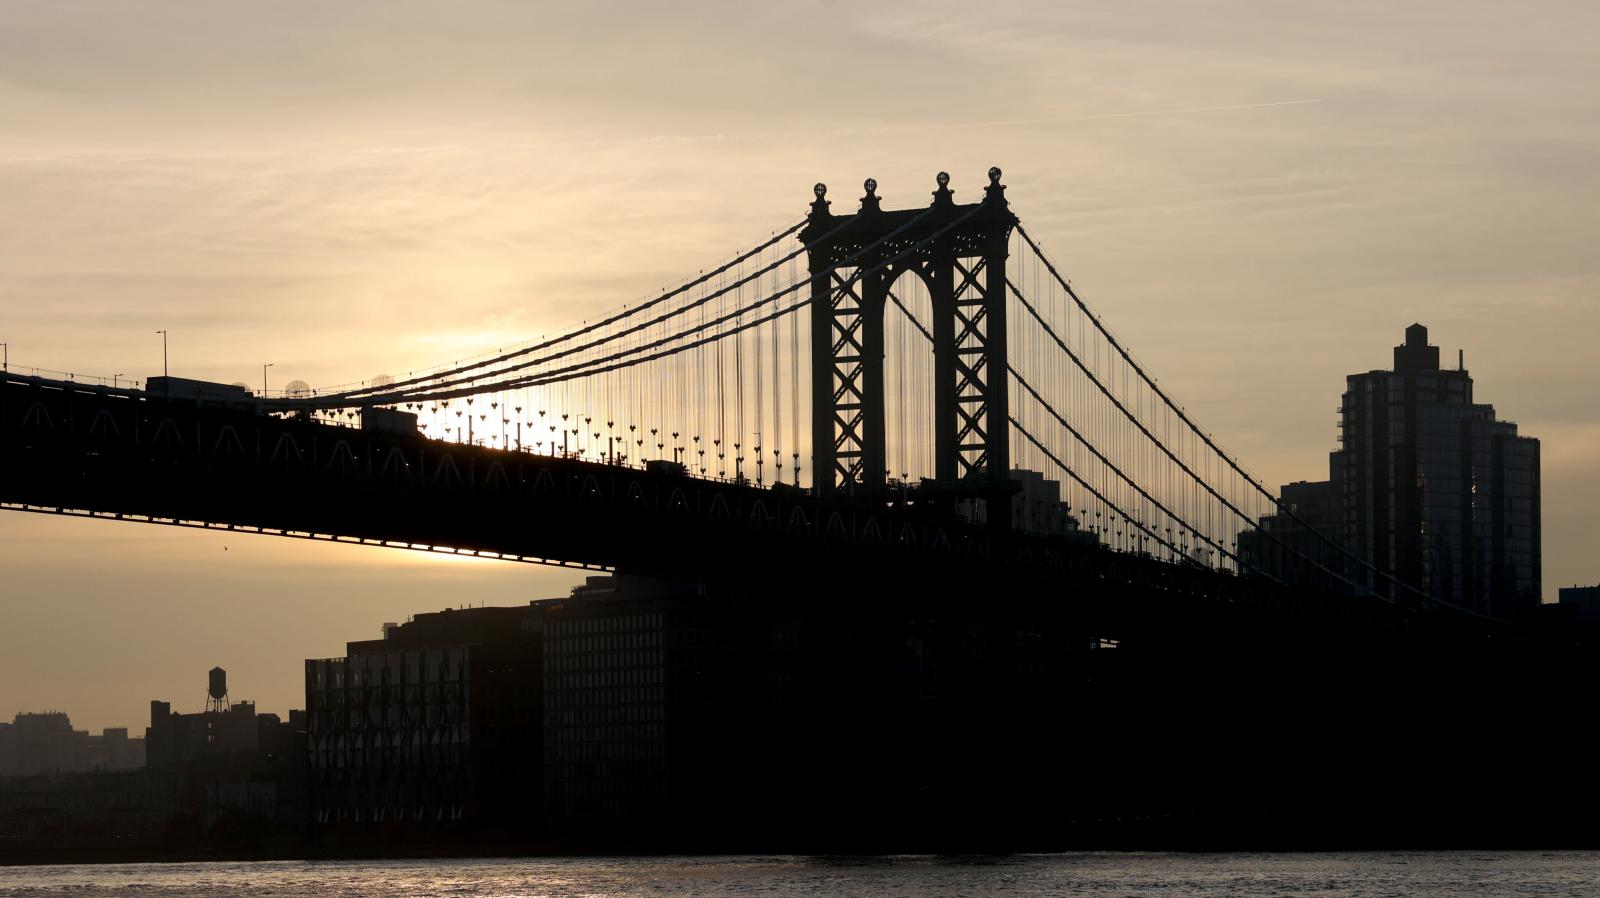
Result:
960,253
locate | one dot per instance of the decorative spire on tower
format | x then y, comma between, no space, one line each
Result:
819,206
995,191
870,202
943,196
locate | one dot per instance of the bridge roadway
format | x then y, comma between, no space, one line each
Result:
75,449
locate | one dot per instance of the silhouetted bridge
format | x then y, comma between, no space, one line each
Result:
927,408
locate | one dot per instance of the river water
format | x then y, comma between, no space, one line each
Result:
1333,875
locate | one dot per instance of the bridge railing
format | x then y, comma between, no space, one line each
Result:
115,381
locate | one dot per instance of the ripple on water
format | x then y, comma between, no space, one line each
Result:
1332,875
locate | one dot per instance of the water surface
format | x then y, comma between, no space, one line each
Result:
1332,875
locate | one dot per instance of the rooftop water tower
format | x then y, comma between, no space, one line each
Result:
217,693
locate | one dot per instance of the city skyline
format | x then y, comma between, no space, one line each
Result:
1307,187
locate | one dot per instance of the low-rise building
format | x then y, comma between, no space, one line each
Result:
434,724
605,705
45,742
1583,602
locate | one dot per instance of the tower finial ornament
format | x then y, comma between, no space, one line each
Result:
819,206
995,190
943,196
870,203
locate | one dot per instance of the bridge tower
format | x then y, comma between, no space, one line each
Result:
959,252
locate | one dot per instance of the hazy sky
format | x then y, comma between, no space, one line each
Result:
1259,197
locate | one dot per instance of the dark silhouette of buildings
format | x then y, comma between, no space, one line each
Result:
175,738
647,712
437,722
1427,484
229,779
1036,507
650,692
1308,532
1582,602
35,743
228,766
609,705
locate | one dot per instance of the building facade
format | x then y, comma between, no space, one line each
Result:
435,725
647,692
614,705
45,742
1298,544
1037,507
1435,488
1581,602
1427,485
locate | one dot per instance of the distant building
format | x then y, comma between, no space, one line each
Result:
35,743
114,749
1436,489
175,738
222,778
1584,602
612,704
438,722
645,701
1037,507
1427,485
228,761
45,742
1308,533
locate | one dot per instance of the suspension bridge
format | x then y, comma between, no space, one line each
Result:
965,565
916,392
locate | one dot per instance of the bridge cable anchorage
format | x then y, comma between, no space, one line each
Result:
366,392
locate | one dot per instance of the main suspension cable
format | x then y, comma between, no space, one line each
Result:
1199,432
366,393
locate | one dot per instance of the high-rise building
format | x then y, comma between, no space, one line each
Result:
1427,485
1436,489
